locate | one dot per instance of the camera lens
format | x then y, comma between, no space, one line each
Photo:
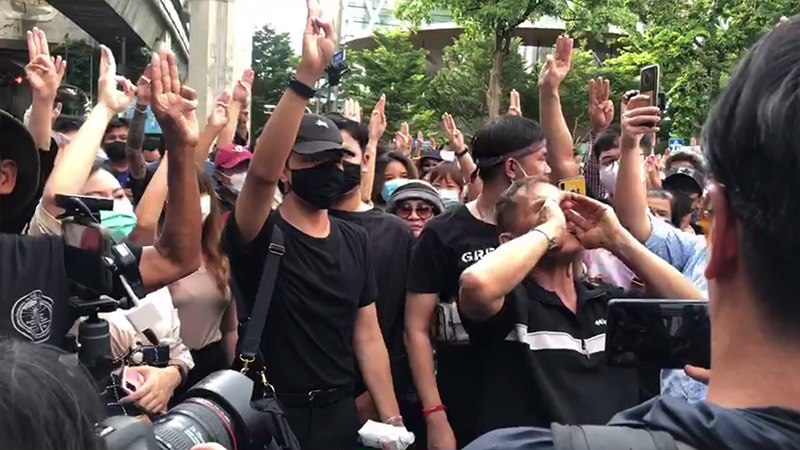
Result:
195,421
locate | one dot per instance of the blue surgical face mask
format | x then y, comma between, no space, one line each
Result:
390,186
120,221
450,197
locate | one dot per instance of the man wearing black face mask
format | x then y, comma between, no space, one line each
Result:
391,242
323,315
114,142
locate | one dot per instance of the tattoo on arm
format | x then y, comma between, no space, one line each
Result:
136,163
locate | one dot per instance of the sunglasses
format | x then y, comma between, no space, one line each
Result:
406,210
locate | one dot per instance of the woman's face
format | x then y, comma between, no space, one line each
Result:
103,184
445,183
416,213
395,170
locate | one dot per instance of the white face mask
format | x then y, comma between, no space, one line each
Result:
205,207
237,181
608,177
450,194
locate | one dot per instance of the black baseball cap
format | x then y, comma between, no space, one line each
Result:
684,179
317,134
16,144
428,152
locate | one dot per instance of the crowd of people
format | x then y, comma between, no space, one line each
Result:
453,290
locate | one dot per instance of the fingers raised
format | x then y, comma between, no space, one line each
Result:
156,83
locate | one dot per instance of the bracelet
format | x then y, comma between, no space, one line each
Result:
300,88
396,421
428,411
551,243
461,154
143,111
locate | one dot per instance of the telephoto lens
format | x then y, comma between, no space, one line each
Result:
215,410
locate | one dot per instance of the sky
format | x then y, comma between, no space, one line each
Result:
286,16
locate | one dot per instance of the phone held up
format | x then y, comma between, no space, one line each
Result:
575,185
658,334
650,85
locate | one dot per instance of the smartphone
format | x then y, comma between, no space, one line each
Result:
658,334
131,380
576,185
92,238
650,82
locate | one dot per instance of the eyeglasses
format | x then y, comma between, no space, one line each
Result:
423,210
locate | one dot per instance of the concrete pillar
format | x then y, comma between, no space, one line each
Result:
221,48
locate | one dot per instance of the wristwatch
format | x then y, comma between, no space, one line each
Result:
550,241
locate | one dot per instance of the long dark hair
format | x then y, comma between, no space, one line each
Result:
214,256
385,157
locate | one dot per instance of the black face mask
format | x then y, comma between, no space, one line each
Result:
115,151
320,185
352,177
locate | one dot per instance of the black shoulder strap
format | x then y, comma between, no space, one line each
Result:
249,344
598,437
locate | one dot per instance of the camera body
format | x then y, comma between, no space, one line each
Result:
218,409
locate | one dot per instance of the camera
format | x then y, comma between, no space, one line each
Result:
218,409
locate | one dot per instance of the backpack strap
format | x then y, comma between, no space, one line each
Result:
599,437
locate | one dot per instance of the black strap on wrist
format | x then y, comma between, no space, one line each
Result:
300,88
462,153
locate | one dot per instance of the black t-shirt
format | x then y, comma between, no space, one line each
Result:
391,242
448,245
544,363
322,282
16,224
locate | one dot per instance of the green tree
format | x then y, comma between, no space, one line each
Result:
273,61
697,44
397,68
500,19
83,62
460,86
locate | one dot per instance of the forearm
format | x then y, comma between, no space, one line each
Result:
420,358
660,278
227,133
179,240
75,162
39,123
150,207
272,151
559,138
467,165
374,362
630,197
485,284
368,179
133,149
204,143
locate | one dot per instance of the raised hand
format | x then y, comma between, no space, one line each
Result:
243,88
639,119
594,223
601,108
107,93
626,97
319,42
377,120
44,72
352,110
557,65
514,105
456,137
420,138
219,115
402,139
143,86
173,105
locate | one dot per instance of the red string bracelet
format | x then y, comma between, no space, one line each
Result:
428,411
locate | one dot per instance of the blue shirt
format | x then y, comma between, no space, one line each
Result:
687,253
683,251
